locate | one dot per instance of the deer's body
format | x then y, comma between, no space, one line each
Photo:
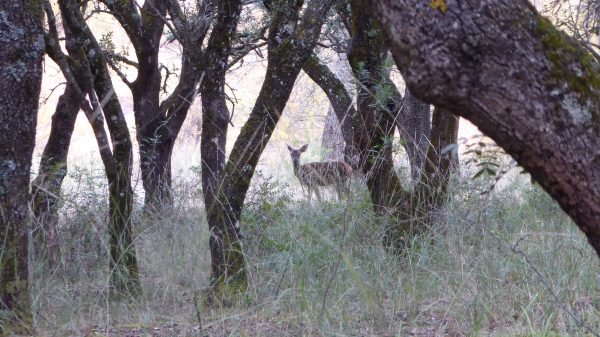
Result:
316,174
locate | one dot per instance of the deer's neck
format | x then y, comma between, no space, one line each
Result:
296,163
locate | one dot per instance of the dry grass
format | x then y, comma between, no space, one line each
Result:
506,264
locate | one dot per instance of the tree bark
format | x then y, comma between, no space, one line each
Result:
47,185
290,42
414,126
123,268
525,84
46,188
215,114
377,110
340,100
158,123
20,82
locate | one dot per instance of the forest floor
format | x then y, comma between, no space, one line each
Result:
507,262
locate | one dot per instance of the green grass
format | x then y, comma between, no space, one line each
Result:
508,263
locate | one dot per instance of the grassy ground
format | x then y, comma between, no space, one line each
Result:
507,263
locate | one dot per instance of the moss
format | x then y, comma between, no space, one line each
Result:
571,63
228,289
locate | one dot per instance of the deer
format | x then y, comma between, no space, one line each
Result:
315,174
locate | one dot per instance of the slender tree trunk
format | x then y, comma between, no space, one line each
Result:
20,83
340,100
53,165
332,138
433,186
414,126
124,277
288,50
541,104
47,185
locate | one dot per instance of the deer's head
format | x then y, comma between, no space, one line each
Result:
297,153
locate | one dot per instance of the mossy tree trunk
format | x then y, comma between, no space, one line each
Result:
20,83
291,40
541,104
377,109
215,114
116,153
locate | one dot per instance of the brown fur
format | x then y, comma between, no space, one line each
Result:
313,175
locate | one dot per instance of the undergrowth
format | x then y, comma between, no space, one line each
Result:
506,263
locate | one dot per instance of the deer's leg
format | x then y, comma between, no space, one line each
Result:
309,194
318,194
339,189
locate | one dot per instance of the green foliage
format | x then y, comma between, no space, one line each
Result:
106,43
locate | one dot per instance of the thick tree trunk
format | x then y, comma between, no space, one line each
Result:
215,114
288,50
525,84
155,152
46,187
20,83
377,112
227,259
414,126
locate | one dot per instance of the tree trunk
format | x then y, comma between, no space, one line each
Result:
433,186
46,187
124,277
414,126
288,49
53,165
340,100
541,104
430,192
332,138
20,83
227,261
155,154
215,114
377,111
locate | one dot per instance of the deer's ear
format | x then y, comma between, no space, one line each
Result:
289,148
303,148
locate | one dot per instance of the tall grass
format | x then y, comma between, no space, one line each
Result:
508,263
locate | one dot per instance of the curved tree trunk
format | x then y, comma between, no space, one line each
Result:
414,126
288,50
541,104
158,123
20,83
340,100
123,268
46,188
377,112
